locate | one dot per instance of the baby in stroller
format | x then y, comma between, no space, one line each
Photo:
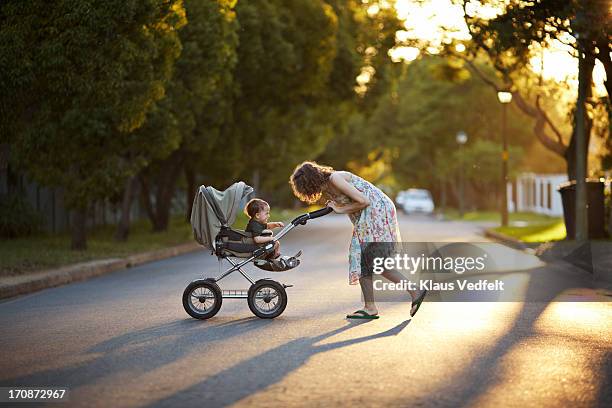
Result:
258,211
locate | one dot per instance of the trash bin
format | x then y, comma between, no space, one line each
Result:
595,205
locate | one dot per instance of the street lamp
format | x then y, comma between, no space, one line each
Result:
505,97
461,139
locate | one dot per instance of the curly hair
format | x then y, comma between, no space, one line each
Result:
308,180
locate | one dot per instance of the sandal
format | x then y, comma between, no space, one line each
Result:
361,314
417,303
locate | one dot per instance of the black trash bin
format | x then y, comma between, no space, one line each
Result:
595,203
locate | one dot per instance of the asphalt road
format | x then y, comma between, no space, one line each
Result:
124,340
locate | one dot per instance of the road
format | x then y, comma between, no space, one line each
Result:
124,340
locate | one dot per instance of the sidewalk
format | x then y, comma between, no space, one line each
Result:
593,257
11,286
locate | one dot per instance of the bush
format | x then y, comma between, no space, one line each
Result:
17,217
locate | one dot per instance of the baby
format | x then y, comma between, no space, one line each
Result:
259,211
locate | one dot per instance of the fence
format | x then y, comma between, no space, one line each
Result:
536,193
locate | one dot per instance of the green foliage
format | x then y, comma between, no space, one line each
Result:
201,89
17,217
483,162
78,77
285,58
523,29
96,92
198,96
421,119
187,122
363,42
508,39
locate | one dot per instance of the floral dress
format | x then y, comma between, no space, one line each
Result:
375,223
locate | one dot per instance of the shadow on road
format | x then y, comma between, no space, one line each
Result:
231,385
475,380
154,347
144,350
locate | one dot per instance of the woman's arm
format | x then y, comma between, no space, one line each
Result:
360,201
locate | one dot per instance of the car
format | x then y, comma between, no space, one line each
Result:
415,200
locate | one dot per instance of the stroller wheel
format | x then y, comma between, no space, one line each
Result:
267,299
202,299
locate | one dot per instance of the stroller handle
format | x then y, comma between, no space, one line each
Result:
302,219
311,215
319,213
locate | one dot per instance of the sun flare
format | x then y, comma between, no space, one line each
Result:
441,22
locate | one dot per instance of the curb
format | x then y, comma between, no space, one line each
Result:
29,283
505,239
602,266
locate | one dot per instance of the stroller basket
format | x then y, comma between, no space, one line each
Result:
235,293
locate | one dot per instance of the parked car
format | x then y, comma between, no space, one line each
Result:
415,200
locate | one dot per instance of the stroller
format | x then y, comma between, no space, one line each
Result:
212,214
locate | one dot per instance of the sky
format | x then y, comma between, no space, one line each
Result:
426,19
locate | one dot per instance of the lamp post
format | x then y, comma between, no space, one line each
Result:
505,97
461,139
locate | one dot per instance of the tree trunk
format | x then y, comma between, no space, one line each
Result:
79,237
162,218
442,194
165,187
456,195
190,191
145,198
123,228
570,152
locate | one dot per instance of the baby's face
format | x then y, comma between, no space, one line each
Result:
263,215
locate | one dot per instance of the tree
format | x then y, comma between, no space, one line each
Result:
418,122
285,58
78,78
362,75
197,105
508,40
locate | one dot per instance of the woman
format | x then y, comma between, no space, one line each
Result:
373,216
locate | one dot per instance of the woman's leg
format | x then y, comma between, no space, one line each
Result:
396,277
367,290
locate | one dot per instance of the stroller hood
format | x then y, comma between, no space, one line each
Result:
213,209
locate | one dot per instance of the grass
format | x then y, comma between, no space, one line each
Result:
543,232
23,255
528,227
495,216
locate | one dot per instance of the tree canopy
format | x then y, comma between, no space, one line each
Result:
523,28
78,78
99,97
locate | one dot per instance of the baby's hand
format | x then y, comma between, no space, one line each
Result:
278,224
